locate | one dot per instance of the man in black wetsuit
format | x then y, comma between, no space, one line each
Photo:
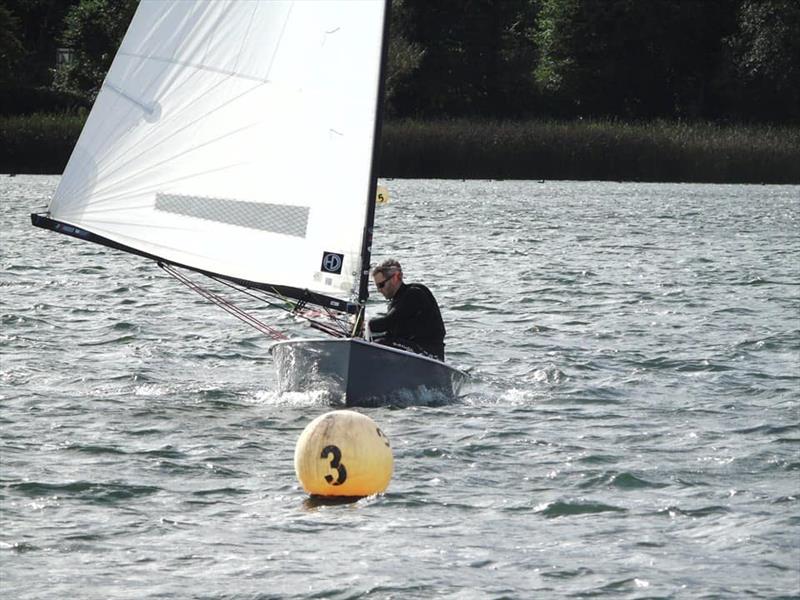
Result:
413,321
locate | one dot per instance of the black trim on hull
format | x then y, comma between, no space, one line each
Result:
44,222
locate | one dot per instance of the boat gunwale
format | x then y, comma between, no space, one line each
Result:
371,344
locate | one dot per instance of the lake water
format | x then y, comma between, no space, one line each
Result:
631,428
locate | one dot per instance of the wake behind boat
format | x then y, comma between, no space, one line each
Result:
239,141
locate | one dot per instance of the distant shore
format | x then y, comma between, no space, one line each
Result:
475,149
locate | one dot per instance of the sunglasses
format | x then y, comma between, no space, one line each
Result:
380,284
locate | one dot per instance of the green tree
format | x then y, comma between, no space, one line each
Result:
478,57
93,30
631,58
404,56
35,26
765,54
11,48
515,92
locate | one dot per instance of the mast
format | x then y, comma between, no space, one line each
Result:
366,244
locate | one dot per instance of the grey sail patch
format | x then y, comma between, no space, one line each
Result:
275,218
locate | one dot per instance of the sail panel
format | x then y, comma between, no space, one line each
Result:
235,138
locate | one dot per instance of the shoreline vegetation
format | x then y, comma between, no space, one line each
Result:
657,151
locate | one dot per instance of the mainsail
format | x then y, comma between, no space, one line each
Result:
237,139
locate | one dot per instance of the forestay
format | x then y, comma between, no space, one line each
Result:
236,138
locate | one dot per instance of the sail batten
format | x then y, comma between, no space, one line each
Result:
197,66
236,138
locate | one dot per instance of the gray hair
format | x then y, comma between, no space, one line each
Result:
388,268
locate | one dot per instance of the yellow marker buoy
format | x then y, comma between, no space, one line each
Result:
382,195
343,453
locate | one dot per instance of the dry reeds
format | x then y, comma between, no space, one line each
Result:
480,149
38,143
601,150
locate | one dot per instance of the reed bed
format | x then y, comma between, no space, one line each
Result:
585,150
38,143
476,149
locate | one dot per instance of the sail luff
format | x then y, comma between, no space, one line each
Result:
366,245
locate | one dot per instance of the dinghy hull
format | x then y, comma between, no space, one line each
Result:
360,373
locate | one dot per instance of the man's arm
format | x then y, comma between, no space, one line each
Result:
382,323
408,308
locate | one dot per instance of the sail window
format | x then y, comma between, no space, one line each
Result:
275,218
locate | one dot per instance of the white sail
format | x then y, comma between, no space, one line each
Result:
236,137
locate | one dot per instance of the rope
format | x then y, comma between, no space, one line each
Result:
224,304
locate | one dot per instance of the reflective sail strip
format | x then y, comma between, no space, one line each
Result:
275,218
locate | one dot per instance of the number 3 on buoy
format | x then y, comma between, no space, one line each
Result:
343,453
335,464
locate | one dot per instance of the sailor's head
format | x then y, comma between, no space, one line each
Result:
388,276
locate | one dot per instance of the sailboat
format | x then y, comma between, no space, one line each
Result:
238,141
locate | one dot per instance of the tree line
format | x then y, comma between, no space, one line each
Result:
733,61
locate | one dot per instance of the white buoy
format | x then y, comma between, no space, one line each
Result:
343,453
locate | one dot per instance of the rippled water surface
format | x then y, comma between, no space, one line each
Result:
631,428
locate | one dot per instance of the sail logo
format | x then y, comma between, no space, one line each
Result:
332,262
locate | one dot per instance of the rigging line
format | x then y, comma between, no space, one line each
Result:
194,65
339,331
228,307
312,317
299,305
326,329
274,293
343,326
296,309
223,304
300,311
311,313
247,292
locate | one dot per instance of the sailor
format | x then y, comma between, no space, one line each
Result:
413,321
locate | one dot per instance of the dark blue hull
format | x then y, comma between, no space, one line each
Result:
361,373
